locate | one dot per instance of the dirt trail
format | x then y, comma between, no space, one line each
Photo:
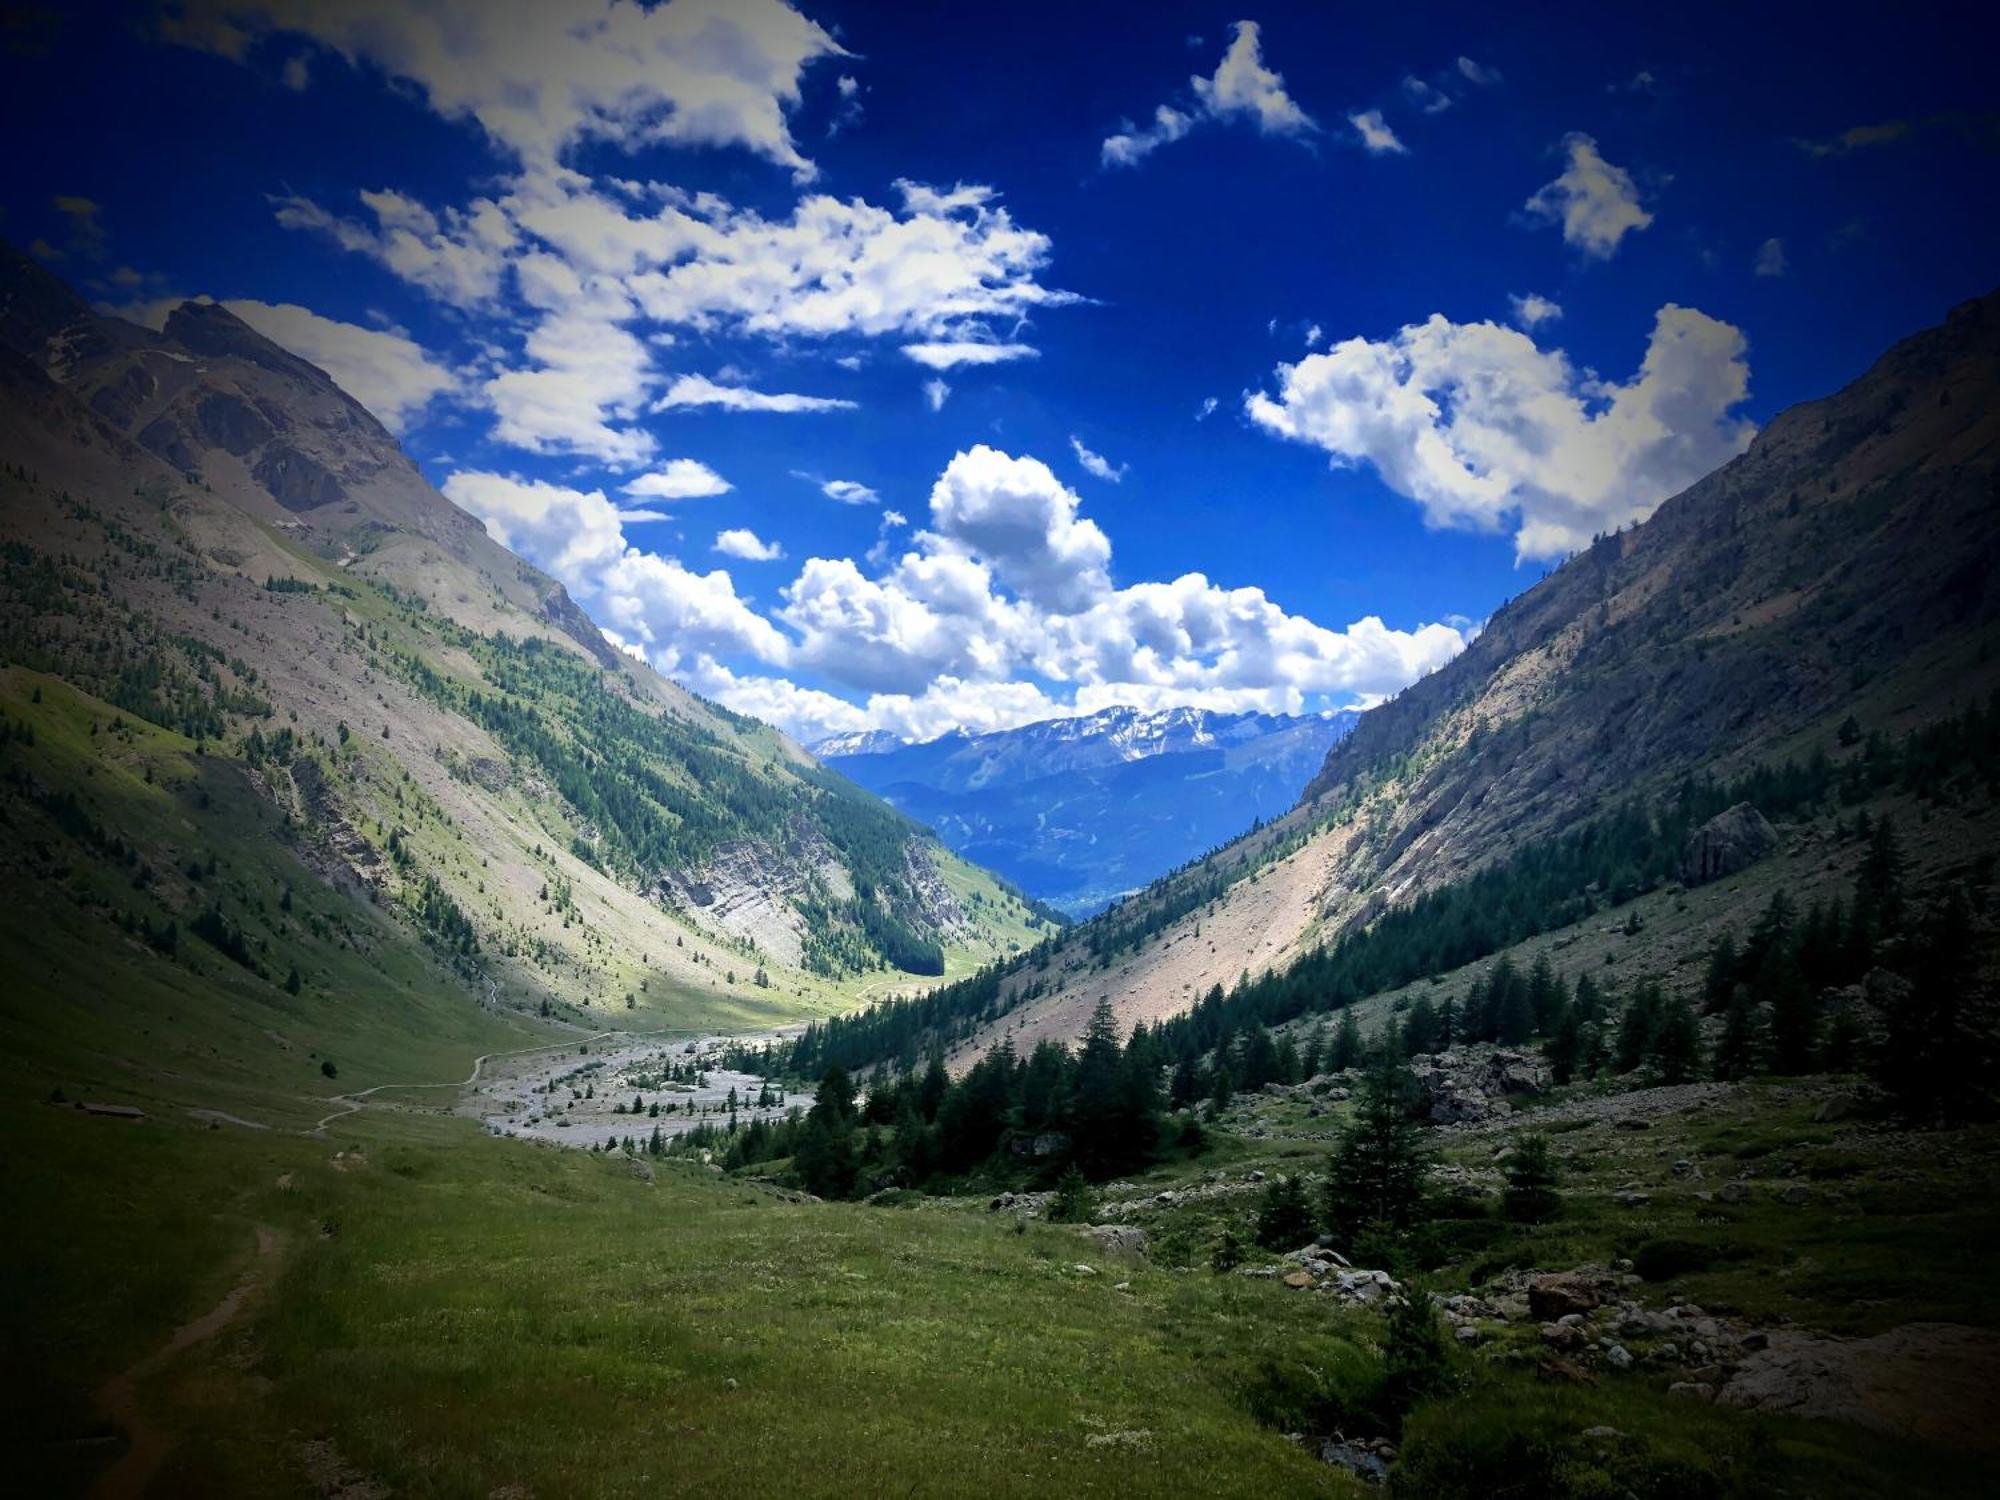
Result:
354,1103
118,1397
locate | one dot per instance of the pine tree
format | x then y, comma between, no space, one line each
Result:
1936,1059
1346,1050
1676,1043
1564,1048
1739,1051
1530,1196
1377,1172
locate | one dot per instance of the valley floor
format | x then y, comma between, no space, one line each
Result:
405,1304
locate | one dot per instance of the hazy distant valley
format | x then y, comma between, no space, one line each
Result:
1079,812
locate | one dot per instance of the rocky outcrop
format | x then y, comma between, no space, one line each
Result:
1464,1088
1732,840
1928,1380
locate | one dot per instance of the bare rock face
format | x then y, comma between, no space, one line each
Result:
1732,840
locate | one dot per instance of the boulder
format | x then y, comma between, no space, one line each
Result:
1553,1295
1116,1239
1732,840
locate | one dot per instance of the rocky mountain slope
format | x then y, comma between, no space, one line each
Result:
1845,568
228,571
1081,811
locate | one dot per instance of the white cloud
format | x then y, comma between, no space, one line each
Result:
1314,335
1376,136
699,390
1427,97
589,372
1595,202
944,356
542,76
384,369
1241,88
1771,258
674,614
1132,145
999,613
679,479
1532,309
1206,409
848,492
740,541
1096,463
1014,514
936,393
573,534
1484,429
457,257
1473,72
947,265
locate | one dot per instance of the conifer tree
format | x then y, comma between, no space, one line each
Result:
1377,1172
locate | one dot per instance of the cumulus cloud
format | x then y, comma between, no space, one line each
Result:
1531,309
999,612
1096,464
740,541
936,393
542,76
699,390
1377,139
678,479
1014,514
1241,88
1484,429
1595,203
1771,258
674,614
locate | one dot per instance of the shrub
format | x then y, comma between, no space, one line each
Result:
1074,1203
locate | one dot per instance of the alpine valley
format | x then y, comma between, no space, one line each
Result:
843,750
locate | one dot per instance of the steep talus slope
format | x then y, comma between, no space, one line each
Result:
1847,563
204,535
1080,812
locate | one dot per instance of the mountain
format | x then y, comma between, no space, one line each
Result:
1834,587
1080,811
246,649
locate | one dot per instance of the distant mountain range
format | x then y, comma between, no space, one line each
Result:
1079,811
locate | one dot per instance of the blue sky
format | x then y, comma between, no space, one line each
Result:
1242,356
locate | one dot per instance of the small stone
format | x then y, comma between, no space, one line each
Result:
1467,1334
1083,1270
1618,1357
1299,1279
1700,1390
1602,1434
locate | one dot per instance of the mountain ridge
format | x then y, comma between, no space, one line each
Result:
1798,584
205,531
1081,811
